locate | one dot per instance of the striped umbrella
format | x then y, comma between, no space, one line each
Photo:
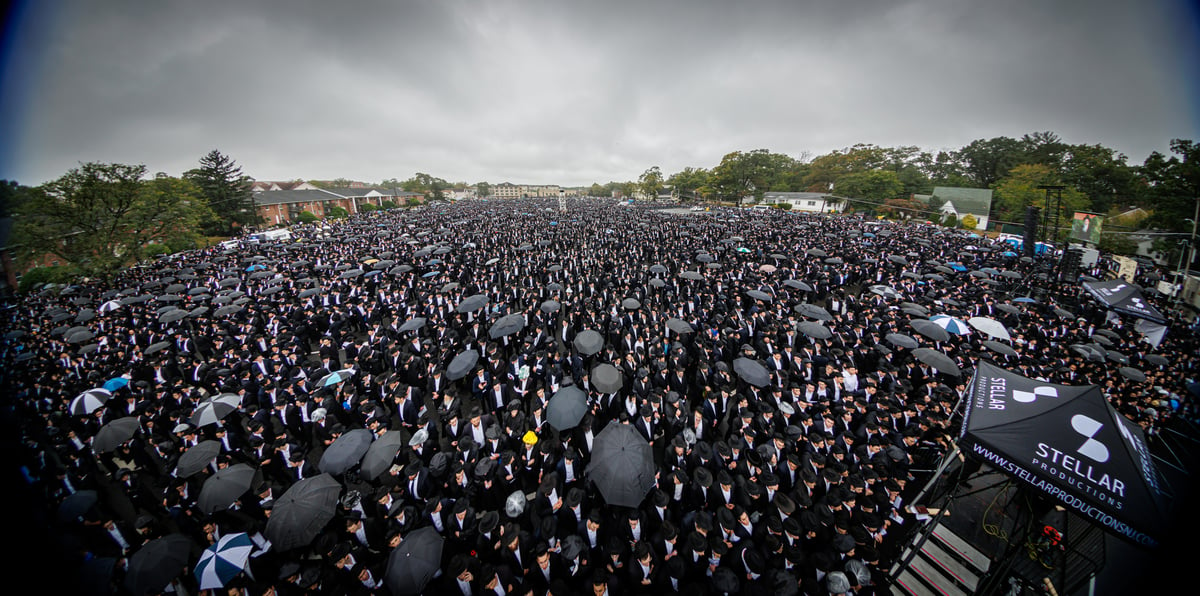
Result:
222,561
335,377
951,324
89,401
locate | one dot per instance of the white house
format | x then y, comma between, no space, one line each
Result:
812,202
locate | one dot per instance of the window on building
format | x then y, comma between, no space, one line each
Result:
812,203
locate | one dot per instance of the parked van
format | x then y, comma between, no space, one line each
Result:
271,235
761,208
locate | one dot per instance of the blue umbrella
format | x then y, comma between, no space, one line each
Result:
430,274
868,235
115,383
951,324
222,561
335,377
256,267
957,267
1025,299
1008,253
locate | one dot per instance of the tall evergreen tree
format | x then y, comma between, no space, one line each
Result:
228,193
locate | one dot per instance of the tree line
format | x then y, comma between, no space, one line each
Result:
1096,178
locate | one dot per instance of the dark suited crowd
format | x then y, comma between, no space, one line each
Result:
796,485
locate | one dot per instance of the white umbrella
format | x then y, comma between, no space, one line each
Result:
111,305
223,561
991,327
951,324
89,401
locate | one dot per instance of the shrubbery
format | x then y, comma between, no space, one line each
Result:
59,274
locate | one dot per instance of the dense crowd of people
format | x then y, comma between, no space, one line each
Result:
265,355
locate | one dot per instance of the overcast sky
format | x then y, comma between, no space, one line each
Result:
575,92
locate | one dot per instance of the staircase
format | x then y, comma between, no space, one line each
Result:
945,566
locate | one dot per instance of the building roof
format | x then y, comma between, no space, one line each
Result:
367,190
976,201
277,197
797,196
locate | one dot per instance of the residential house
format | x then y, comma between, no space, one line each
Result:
266,185
960,202
811,202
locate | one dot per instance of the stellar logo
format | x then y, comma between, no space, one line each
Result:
1027,397
1089,428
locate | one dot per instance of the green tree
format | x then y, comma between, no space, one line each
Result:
1020,189
227,191
430,186
969,222
743,174
1173,186
987,161
483,189
336,212
597,191
101,217
1103,175
335,183
873,185
650,183
307,217
689,181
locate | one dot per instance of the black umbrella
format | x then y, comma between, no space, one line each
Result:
472,303
937,360
589,342
1133,374
631,304
751,372
197,457
507,325
813,311
1156,359
413,563
679,326
566,408
210,412
227,310
999,348
816,252
173,315
760,295
798,285
111,435
156,563
550,306
302,512
346,451
705,258
814,330
382,453
77,505
622,465
226,486
693,275
85,315
657,283
462,364
929,329
658,269
607,378
412,324
901,340
154,348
